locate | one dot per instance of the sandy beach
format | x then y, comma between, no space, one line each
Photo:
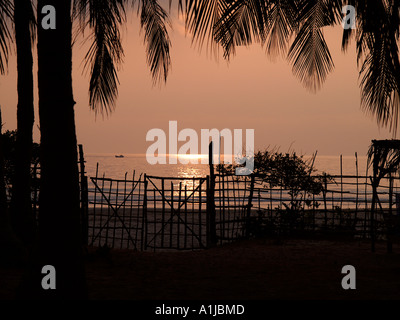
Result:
259,269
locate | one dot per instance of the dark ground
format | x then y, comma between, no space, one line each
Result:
246,270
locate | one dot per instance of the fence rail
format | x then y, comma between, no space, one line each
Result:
181,213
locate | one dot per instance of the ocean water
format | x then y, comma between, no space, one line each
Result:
108,166
117,168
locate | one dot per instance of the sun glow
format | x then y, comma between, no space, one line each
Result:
189,156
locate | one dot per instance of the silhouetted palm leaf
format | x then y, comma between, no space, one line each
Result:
153,20
201,17
6,13
241,23
309,52
377,46
103,17
32,22
348,33
282,22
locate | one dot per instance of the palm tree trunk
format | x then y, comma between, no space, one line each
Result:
59,240
21,209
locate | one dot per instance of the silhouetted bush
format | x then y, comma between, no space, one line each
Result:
292,173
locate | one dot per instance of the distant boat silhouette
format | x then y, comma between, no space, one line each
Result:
120,156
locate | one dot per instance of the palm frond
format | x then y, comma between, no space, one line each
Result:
80,12
309,53
282,23
348,33
6,14
154,20
241,23
377,45
201,17
347,36
32,20
105,54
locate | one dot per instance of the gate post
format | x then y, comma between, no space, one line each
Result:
144,218
249,205
211,223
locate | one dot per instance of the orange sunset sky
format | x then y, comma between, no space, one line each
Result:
251,92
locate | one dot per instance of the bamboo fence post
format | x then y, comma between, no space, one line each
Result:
154,217
145,220
138,216
208,213
162,212
171,215
141,212
270,198
94,204
236,212
108,211
333,210
178,233
186,221
131,210
224,227
356,212
115,213
211,198
374,198
249,205
366,203
313,211
341,191
200,212
101,208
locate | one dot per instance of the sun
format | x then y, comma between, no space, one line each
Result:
192,156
